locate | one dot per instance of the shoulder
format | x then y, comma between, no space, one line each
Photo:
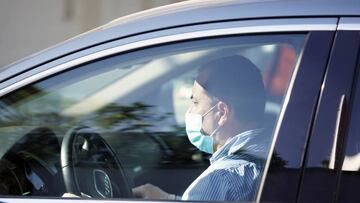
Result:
232,173
236,164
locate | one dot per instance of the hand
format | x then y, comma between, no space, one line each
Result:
149,191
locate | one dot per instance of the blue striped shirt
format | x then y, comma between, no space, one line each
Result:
234,172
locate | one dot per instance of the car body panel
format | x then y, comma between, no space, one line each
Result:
329,130
306,104
172,35
188,13
296,121
348,23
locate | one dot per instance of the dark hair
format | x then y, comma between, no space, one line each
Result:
236,81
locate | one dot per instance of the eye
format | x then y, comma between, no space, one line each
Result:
193,100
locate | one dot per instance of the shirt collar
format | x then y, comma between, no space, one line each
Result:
249,141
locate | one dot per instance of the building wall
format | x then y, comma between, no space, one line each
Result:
29,26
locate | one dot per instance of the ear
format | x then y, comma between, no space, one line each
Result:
223,112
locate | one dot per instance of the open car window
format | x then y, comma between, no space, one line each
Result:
110,125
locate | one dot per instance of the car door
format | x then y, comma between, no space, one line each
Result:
332,167
288,158
133,94
348,179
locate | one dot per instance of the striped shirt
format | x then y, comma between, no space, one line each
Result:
234,172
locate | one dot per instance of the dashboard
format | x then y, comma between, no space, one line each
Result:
32,166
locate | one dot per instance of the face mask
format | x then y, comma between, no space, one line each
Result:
193,124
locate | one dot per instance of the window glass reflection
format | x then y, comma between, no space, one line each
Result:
134,118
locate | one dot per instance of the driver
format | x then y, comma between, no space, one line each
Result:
225,120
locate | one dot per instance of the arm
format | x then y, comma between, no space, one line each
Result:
149,191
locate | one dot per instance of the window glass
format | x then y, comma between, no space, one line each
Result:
188,121
351,164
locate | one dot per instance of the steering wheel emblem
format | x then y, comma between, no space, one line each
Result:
102,183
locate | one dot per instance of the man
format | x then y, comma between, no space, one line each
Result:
225,119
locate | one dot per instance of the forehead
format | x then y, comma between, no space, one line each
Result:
198,92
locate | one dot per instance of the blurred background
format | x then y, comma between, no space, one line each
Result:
29,26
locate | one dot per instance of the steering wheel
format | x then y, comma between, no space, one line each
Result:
90,166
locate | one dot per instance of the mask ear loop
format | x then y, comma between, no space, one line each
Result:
215,131
217,128
209,110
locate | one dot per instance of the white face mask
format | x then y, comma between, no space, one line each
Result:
193,124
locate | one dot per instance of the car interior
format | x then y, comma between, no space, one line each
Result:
76,132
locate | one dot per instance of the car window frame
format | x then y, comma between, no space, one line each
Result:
304,95
280,26
257,26
335,97
333,115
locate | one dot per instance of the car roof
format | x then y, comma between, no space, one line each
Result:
186,13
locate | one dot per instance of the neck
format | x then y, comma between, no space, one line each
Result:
224,134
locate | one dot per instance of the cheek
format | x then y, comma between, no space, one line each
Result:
209,123
195,109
